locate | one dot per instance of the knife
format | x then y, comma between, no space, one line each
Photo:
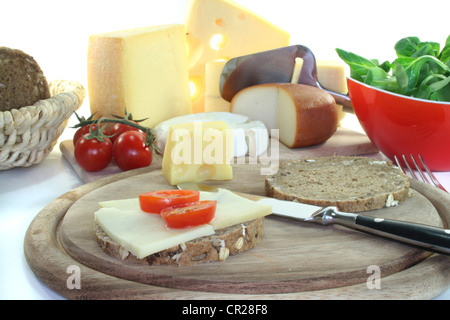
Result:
423,236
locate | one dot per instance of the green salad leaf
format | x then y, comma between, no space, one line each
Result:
421,69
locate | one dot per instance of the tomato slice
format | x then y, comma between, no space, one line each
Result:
155,201
190,215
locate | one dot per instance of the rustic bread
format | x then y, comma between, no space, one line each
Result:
217,247
352,184
22,82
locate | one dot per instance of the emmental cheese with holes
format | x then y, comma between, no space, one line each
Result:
198,151
143,71
222,29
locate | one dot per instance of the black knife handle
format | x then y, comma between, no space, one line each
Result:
427,237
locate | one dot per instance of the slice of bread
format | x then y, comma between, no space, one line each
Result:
217,247
352,184
22,82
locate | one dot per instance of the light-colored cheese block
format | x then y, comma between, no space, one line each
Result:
143,71
213,100
250,136
332,76
198,151
143,233
222,29
304,115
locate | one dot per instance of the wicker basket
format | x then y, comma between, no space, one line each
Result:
28,134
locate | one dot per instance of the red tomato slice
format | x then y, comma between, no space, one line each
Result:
155,201
190,215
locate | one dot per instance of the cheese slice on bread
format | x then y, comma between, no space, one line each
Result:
126,232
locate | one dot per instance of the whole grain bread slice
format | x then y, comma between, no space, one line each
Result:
217,247
352,184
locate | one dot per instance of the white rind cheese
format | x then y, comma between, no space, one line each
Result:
144,233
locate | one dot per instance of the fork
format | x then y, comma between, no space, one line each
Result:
420,170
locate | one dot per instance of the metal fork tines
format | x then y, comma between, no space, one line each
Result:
419,169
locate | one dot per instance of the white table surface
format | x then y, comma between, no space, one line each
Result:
26,191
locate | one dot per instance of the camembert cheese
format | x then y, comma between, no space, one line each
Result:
198,151
144,233
143,71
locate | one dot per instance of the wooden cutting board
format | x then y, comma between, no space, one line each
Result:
344,142
294,261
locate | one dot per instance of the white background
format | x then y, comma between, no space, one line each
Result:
56,33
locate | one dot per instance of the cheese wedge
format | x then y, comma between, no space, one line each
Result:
143,233
222,29
250,136
143,71
198,151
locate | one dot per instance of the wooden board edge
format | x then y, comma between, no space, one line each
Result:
433,276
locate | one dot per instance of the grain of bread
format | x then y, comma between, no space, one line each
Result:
352,184
217,247
22,82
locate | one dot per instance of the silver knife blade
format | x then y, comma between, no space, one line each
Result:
290,209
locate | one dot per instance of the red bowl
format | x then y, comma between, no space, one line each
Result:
400,125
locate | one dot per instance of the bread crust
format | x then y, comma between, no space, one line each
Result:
22,82
352,184
217,247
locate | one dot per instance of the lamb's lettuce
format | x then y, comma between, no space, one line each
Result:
421,69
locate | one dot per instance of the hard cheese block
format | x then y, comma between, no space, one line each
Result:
198,151
250,136
143,71
222,29
144,234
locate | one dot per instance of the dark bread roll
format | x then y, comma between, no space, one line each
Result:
22,82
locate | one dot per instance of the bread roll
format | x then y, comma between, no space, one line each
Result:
22,82
304,115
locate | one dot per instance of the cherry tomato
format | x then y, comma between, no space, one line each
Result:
119,128
93,154
190,215
155,201
130,151
84,130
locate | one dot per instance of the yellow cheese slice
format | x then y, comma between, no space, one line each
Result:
142,70
222,29
198,151
143,233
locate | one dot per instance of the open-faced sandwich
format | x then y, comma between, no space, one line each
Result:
179,227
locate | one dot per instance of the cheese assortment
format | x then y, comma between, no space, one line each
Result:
222,29
249,136
143,71
143,233
170,74
197,151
